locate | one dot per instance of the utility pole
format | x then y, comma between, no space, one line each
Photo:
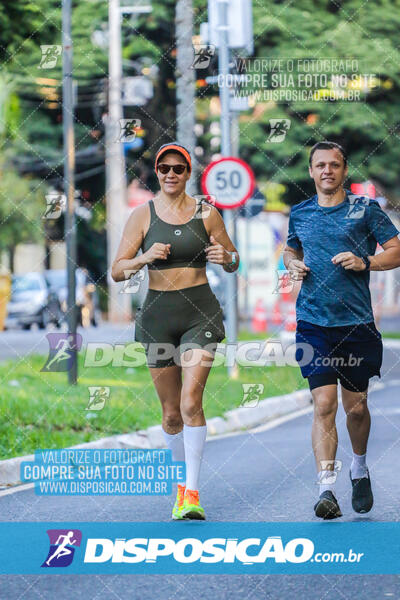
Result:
235,138
186,84
69,170
119,305
223,69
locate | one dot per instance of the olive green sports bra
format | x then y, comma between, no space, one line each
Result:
188,240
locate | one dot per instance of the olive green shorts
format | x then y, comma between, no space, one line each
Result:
171,322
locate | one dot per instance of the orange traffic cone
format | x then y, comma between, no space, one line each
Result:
259,321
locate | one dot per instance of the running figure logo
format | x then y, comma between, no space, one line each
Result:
55,204
203,205
62,350
202,56
132,281
279,129
251,394
329,471
128,129
50,56
62,547
357,206
98,397
285,281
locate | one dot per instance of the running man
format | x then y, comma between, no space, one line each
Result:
331,248
181,321
62,549
55,205
63,345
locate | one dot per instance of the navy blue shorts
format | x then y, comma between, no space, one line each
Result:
350,353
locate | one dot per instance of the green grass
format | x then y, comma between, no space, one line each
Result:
44,411
391,334
245,334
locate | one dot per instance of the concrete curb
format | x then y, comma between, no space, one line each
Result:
238,419
391,344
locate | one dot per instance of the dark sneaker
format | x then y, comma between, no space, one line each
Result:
361,498
327,506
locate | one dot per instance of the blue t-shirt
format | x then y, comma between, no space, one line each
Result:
330,295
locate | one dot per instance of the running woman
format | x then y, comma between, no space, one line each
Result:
178,235
331,248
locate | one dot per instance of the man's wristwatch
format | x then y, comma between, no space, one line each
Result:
367,262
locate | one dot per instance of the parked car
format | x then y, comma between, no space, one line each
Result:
32,302
86,294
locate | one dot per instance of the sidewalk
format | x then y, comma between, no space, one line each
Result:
237,419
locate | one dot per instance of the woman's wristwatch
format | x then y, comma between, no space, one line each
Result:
233,261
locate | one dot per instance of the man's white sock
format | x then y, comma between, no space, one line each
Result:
194,440
174,441
359,466
327,481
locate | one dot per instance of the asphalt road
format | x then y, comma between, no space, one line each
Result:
264,476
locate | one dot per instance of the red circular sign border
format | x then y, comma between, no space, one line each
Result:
246,167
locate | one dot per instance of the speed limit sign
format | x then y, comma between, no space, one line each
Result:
230,180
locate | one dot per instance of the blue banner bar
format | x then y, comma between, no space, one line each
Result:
200,547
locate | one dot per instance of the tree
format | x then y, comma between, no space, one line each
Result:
21,210
21,207
185,82
367,33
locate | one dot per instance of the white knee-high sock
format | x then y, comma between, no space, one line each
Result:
194,439
175,443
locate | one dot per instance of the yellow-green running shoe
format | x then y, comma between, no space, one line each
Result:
191,508
176,511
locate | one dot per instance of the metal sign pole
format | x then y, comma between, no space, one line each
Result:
119,305
234,130
223,69
69,170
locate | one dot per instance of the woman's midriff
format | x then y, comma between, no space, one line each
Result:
178,278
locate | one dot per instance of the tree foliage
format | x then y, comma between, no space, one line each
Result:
31,100
369,129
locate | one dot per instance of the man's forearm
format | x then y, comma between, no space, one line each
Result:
386,260
289,255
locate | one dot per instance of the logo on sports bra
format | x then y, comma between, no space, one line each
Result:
177,231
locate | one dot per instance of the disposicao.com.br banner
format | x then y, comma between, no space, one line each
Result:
200,548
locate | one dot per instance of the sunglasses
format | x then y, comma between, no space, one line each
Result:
164,168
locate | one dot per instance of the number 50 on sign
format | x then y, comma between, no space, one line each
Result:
230,180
